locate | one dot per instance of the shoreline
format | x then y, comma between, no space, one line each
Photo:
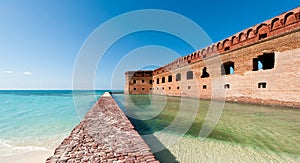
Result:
38,156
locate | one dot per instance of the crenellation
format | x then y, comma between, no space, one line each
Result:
252,61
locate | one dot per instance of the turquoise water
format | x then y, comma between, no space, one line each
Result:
269,129
40,120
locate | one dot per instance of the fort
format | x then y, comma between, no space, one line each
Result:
259,65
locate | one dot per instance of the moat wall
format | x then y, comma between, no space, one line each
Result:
104,135
233,67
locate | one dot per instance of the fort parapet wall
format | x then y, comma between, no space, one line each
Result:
258,65
104,135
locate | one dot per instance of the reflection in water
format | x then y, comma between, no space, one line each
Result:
267,129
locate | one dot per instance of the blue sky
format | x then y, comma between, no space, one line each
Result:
40,40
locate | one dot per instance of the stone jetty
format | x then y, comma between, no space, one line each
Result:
104,135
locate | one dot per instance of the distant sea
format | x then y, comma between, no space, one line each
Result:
40,119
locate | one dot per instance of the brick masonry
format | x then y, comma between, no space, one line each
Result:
279,36
104,135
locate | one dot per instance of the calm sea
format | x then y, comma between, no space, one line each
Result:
261,133
40,120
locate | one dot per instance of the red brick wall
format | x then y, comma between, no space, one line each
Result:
282,82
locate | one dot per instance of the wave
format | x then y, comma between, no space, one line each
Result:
8,148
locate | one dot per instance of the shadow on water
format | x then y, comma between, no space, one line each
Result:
265,128
143,128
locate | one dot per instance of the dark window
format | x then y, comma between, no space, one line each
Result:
134,81
189,75
157,81
204,87
163,80
226,48
163,88
262,36
169,88
178,77
178,87
143,88
265,61
189,87
205,74
170,78
157,88
262,85
143,81
255,64
150,88
134,88
150,81
227,68
227,86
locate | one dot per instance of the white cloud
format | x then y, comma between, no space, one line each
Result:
27,73
7,72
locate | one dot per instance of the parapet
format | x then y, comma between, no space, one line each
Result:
280,24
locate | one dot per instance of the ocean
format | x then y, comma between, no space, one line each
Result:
40,119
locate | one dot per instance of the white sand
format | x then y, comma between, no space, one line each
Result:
28,157
194,150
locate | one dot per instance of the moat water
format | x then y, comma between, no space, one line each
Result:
247,133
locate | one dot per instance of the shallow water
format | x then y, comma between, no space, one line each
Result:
259,128
40,120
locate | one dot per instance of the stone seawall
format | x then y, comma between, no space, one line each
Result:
104,135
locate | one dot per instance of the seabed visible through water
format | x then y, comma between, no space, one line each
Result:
244,133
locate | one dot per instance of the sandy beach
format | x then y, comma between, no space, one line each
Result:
28,157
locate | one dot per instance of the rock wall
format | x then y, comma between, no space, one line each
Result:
104,135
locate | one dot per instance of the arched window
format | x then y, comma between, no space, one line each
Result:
242,36
262,31
227,68
189,75
275,24
170,78
178,77
289,18
250,33
226,45
163,80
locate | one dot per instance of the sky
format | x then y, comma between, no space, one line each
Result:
40,40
